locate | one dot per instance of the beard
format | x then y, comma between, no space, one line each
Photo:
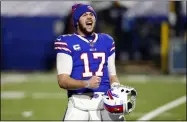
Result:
83,29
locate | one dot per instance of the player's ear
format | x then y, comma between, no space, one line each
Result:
77,24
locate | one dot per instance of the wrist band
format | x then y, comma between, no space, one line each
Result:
87,84
115,84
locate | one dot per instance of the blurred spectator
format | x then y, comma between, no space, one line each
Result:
185,30
110,19
146,40
142,29
178,18
69,29
126,52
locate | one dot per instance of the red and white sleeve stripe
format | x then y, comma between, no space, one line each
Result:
62,46
61,43
113,47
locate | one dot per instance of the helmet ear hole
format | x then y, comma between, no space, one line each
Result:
133,93
127,91
122,90
107,98
129,104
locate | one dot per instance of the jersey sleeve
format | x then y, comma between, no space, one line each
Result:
111,65
111,46
62,59
61,46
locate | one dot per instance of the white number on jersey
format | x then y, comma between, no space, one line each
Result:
87,72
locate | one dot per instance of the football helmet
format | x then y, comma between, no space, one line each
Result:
120,100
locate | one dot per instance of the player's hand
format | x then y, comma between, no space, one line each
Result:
94,82
115,85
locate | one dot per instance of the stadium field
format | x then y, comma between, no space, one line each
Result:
37,96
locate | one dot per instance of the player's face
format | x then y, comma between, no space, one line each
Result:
86,23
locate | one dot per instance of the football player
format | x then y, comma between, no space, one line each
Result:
86,67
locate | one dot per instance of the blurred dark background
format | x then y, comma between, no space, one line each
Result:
150,36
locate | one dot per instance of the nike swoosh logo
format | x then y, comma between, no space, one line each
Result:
58,39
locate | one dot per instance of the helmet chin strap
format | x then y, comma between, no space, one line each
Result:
121,116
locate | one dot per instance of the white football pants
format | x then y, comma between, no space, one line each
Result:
73,113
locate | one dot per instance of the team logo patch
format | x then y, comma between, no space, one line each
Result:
76,47
93,49
116,109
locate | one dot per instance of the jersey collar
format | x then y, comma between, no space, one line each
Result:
86,40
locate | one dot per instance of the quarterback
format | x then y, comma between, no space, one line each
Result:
86,67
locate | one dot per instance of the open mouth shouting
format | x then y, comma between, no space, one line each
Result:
89,24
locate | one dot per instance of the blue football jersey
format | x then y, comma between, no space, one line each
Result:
90,57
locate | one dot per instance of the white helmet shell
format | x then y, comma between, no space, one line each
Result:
116,100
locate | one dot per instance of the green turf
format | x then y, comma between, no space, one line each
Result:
178,113
151,95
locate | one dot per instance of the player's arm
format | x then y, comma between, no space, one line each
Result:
111,63
64,67
112,70
66,82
